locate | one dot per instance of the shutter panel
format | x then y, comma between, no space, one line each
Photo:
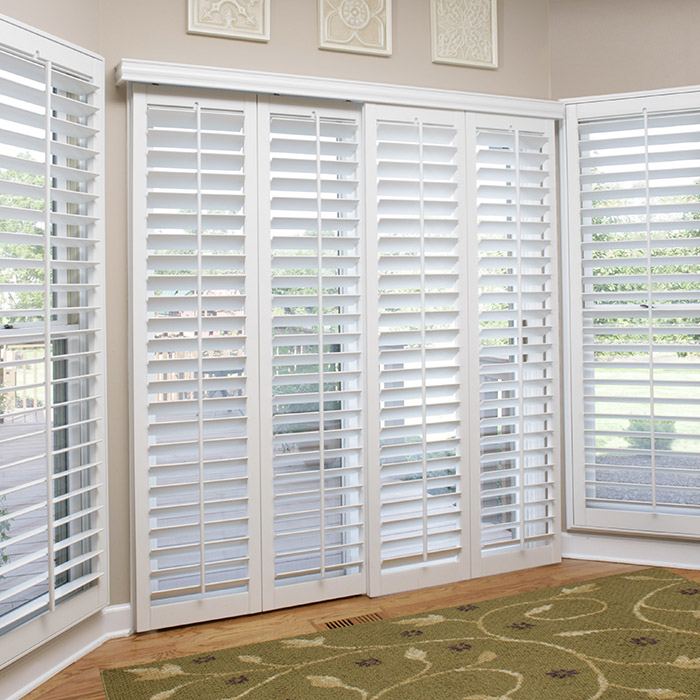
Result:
194,358
514,238
312,373
636,178
416,280
52,444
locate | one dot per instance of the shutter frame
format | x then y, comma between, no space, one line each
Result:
389,130
286,185
234,475
486,558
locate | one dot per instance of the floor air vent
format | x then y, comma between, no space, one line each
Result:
348,621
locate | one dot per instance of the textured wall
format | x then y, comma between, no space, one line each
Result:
156,30
607,46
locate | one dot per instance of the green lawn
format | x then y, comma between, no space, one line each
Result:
682,374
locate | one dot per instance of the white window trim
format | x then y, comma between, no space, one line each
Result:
686,89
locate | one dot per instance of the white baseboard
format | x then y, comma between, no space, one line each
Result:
29,672
631,550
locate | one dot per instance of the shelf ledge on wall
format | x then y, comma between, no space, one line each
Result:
183,75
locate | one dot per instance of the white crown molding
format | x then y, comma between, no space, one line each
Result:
51,37
29,672
137,71
631,95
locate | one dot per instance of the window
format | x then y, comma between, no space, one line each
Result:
52,501
635,314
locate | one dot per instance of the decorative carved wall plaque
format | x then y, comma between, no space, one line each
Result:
362,26
464,32
236,19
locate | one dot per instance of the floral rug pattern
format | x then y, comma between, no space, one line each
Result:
625,637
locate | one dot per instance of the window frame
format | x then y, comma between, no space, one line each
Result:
29,42
578,516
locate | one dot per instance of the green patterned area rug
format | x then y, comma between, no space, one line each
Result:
626,637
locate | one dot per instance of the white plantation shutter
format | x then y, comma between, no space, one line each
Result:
635,295
194,358
52,442
515,463
317,413
311,362
415,300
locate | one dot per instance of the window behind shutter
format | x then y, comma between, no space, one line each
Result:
52,448
312,369
416,282
514,270
195,358
635,167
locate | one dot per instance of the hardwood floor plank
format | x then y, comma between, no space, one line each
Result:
81,680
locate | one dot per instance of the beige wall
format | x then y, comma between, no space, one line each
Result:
76,21
607,46
155,29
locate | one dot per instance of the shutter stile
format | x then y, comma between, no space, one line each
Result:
52,515
315,508
517,317
195,346
638,262
415,161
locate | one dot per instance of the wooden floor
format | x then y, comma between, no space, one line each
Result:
81,680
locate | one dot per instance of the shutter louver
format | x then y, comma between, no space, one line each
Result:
195,348
517,326
52,447
638,265
416,163
315,548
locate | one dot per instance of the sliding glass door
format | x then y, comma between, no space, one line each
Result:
344,356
